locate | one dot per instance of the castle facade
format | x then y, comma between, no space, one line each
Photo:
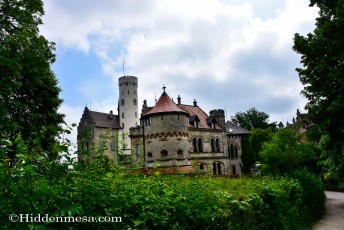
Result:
166,135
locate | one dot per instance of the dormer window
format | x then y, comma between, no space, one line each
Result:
211,122
194,121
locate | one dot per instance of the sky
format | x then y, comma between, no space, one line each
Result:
226,54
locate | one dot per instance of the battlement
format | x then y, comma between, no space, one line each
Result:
127,80
217,112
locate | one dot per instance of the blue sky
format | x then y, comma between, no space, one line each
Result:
232,54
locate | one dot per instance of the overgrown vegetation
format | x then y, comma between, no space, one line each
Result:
38,186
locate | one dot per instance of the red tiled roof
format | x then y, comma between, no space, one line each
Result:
195,110
165,105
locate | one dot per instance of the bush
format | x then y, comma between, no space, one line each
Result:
38,186
313,195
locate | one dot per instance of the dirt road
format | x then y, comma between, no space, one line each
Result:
334,217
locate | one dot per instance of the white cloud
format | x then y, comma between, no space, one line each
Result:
246,45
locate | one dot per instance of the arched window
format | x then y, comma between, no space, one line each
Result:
200,145
149,154
232,151
217,168
180,153
203,166
217,145
194,145
213,147
164,153
236,152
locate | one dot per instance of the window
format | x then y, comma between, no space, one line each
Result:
213,147
180,153
134,92
128,91
195,124
233,152
217,168
135,102
135,114
101,132
148,121
122,125
164,153
200,145
101,144
112,146
122,115
212,125
149,154
138,149
194,145
217,145
122,102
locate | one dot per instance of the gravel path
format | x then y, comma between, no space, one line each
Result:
334,217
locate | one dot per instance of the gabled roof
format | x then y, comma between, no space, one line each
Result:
165,105
105,120
101,120
233,129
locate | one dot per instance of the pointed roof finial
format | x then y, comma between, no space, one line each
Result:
164,87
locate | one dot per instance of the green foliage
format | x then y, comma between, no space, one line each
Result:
248,157
286,153
29,96
322,57
251,146
252,119
257,138
313,196
38,185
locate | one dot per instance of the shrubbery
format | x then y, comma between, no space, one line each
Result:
37,185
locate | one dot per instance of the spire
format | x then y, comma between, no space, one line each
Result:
164,87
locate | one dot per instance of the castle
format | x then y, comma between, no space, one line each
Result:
166,135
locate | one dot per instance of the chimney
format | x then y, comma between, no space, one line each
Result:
179,100
195,103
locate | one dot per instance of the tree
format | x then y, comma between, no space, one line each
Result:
252,119
322,56
257,138
29,95
286,153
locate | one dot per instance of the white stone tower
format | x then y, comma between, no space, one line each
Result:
127,107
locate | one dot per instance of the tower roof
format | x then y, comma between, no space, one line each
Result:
165,105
